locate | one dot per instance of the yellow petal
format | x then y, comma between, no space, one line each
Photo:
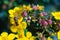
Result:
24,25
17,9
11,11
56,15
25,38
21,33
40,7
20,20
11,36
28,34
19,27
58,34
32,38
52,13
4,34
13,29
0,38
20,39
12,21
24,6
57,18
17,36
28,7
11,16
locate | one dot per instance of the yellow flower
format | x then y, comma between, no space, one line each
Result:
5,36
49,38
21,33
28,34
56,15
21,26
40,7
58,34
18,10
11,11
24,7
28,7
12,21
24,25
21,36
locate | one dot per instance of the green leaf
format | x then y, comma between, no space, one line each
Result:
25,31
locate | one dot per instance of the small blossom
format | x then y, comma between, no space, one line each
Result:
34,7
50,21
43,14
39,20
29,18
40,35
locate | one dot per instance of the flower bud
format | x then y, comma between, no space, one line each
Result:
24,14
44,23
58,25
41,14
39,20
43,38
